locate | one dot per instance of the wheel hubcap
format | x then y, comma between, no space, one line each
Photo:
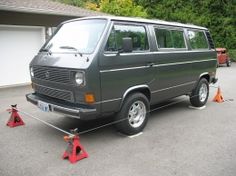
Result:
137,114
203,92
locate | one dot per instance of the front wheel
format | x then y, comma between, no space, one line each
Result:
200,94
133,115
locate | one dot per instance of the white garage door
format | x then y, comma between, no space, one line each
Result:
18,45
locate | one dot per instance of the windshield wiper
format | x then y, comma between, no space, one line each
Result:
47,49
72,48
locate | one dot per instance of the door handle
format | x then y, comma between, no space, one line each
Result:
151,64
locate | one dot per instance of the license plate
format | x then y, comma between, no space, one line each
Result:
43,106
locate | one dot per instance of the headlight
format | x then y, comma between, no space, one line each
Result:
79,78
31,71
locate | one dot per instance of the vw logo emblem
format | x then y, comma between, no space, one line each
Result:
47,74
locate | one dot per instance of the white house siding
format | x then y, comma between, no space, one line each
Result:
18,45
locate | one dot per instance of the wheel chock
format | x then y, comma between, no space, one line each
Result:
15,119
218,97
75,151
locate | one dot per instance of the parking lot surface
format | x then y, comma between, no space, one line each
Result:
177,140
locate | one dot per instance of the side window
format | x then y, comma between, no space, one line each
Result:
138,35
178,38
197,40
170,38
163,38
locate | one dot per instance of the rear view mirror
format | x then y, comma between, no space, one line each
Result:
127,45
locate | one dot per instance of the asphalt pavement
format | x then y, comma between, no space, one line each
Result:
177,141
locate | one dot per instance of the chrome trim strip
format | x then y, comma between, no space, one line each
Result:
160,51
107,101
155,91
157,65
181,63
148,21
133,88
204,73
124,95
122,69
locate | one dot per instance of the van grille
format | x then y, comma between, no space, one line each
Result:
55,93
52,74
211,43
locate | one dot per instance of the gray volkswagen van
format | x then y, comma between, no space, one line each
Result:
117,66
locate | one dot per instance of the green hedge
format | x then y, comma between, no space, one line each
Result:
232,54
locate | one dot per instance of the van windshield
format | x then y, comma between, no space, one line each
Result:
77,36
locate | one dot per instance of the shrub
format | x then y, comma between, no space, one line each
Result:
232,54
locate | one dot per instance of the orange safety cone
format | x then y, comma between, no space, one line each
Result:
75,151
15,119
218,97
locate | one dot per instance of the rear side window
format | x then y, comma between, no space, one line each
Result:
138,35
197,39
173,39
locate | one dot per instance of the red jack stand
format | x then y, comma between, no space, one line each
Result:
75,151
15,119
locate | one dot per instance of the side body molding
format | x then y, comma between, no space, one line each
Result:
133,88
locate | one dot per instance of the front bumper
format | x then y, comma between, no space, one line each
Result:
73,110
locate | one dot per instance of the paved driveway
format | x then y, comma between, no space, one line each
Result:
177,140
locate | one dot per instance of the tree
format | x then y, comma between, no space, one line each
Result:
122,8
219,16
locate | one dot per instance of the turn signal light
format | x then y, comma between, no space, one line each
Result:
89,98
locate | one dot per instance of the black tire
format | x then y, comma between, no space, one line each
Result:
198,98
125,122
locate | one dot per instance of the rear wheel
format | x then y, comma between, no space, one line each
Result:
133,115
200,94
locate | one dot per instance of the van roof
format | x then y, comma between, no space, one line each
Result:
142,20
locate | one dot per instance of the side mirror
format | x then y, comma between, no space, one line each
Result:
127,45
